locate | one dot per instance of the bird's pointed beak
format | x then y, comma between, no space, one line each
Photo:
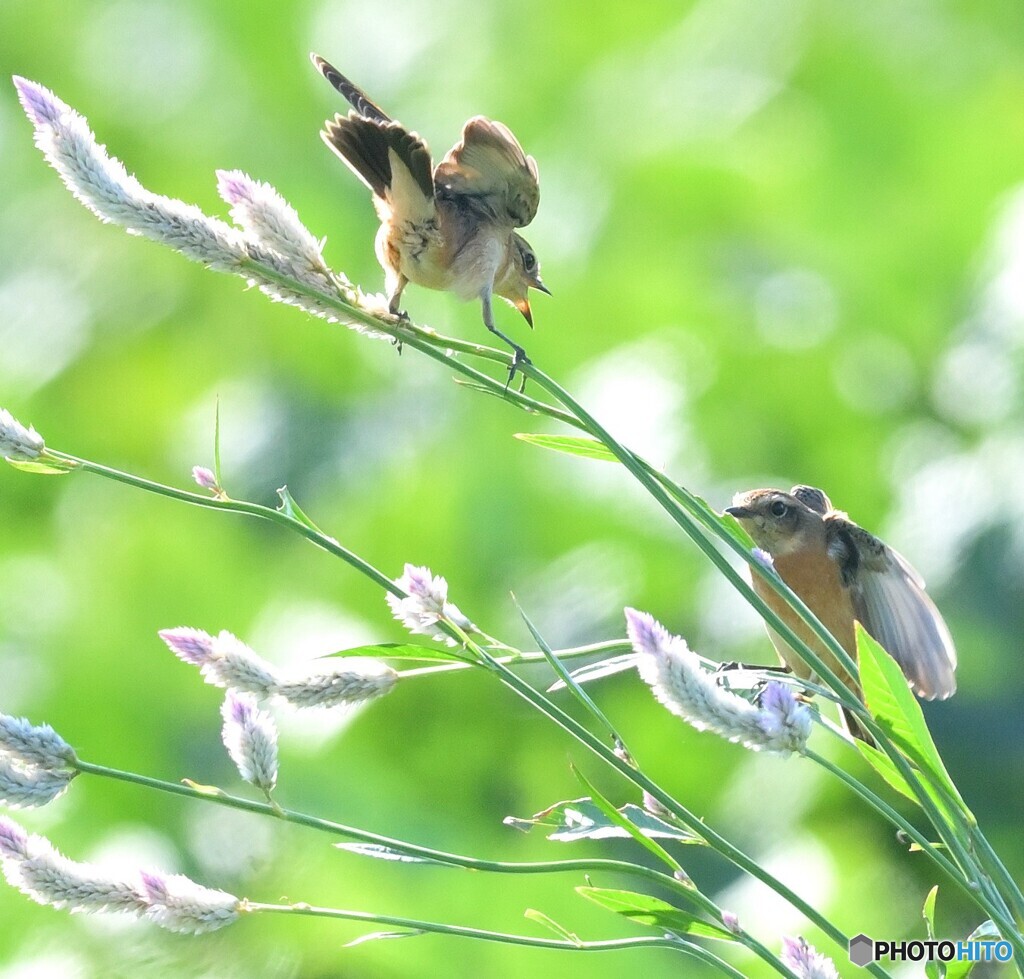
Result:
523,305
739,512
540,287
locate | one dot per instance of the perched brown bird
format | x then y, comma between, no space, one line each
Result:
844,574
450,228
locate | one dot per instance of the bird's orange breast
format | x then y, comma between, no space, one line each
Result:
816,578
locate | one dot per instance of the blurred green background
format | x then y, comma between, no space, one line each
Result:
786,244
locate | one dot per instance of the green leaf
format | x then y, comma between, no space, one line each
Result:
583,819
291,509
883,764
541,918
898,712
932,969
398,650
566,678
494,393
573,445
43,466
929,910
381,852
647,910
617,818
375,936
986,931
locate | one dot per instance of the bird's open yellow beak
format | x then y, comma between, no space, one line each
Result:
523,305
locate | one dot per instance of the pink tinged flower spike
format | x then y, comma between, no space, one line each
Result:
351,680
235,666
103,185
17,441
806,961
38,870
264,214
190,645
25,787
224,660
685,688
426,604
178,904
251,739
38,745
13,840
783,718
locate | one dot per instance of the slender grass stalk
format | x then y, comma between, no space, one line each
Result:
417,924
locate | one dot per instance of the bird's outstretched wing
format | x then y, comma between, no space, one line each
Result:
393,162
356,97
890,601
388,158
488,172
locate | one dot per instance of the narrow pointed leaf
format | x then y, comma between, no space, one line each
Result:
375,936
398,650
381,852
292,509
932,969
647,910
563,674
542,919
41,467
573,445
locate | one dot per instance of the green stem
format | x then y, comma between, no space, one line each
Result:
683,518
611,646
995,864
595,865
696,825
416,924
564,720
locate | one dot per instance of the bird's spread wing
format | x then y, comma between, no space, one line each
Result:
890,601
357,98
389,159
488,172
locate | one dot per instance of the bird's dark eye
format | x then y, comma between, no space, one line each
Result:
529,262
779,509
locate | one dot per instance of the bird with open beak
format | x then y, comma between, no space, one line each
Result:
450,227
846,575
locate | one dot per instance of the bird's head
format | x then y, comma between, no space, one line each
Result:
781,523
522,275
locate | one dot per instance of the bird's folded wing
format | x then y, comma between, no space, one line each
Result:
488,172
890,601
387,157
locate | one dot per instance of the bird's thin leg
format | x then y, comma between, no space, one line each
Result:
721,674
519,354
396,294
